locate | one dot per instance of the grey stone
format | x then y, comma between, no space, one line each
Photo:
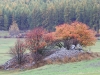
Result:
63,53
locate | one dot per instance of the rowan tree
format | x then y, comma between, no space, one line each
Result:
84,34
65,33
36,41
75,32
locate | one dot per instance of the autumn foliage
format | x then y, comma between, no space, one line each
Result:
65,35
76,30
37,39
74,33
85,35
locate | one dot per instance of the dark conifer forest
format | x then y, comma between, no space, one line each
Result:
48,13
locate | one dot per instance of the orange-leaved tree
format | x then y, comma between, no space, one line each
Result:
75,31
84,34
37,39
62,31
66,33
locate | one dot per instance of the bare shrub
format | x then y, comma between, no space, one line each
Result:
18,51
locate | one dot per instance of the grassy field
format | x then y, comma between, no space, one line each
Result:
96,47
4,33
91,67
77,68
5,45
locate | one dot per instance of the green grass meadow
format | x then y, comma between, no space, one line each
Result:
5,45
89,67
4,33
96,47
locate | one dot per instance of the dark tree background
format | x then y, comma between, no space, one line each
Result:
48,13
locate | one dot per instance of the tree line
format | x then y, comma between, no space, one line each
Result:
48,13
